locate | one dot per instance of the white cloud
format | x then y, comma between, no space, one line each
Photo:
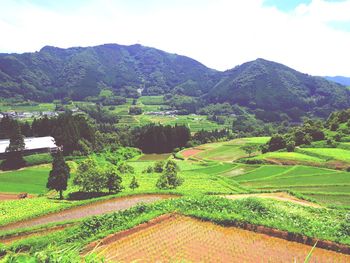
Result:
220,34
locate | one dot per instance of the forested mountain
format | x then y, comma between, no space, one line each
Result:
340,79
271,88
80,72
272,91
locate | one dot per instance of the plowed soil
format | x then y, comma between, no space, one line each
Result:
281,196
190,152
97,208
181,238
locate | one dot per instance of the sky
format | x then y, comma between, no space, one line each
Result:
312,36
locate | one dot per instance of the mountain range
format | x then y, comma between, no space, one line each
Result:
79,72
339,79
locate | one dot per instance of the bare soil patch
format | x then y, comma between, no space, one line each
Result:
97,208
178,238
191,152
7,196
282,196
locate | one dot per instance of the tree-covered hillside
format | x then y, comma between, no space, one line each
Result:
270,89
54,73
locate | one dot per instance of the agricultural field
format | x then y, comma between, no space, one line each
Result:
39,107
180,238
329,153
324,185
228,151
287,197
294,157
31,180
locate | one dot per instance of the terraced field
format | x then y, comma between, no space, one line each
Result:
228,151
97,208
180,238
325,185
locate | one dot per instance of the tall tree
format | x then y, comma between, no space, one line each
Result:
59,175
14,156
113,180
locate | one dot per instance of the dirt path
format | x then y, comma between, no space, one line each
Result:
179,238
7,196
282,196
93,209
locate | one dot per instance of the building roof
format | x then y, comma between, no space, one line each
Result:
31,143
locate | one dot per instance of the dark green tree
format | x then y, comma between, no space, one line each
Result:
59,175
134,184
14,156
249,149
159,166
113,180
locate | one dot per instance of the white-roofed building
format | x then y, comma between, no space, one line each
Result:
32,145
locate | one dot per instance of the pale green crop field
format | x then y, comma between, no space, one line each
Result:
290,156
330,153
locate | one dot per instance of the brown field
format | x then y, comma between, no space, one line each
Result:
154,157
190,152
97,208
178,238
281,196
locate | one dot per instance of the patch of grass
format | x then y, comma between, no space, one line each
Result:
263,172
329,153
151,100
16,210
334,178
31,180
290,156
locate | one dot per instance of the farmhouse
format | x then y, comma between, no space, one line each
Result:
32,145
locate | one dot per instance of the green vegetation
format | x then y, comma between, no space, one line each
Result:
319,223
31,180
231,150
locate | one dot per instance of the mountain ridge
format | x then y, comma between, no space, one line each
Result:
79,72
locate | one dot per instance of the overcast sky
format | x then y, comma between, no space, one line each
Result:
310,36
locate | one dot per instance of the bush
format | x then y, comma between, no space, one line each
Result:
37,159
158,167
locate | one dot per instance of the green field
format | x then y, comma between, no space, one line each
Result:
329,153
213,174
228,151
27,108
31,180
290,156
323,184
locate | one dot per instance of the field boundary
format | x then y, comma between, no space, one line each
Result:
289,236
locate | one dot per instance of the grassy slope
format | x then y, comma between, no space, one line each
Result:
228,151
